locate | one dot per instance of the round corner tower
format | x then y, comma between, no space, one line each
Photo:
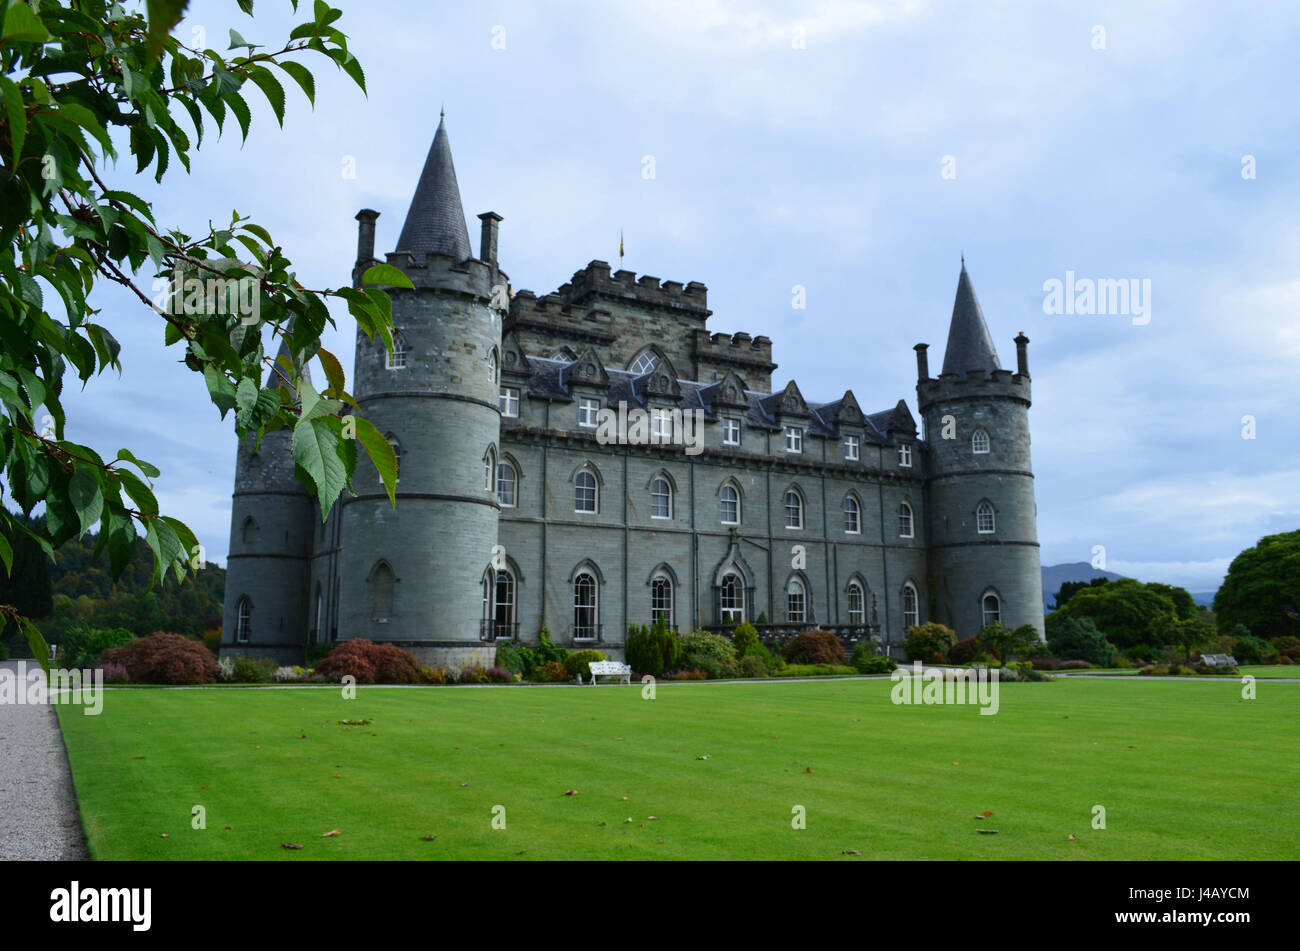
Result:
984,554
268,564
414,575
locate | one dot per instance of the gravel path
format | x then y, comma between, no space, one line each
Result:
38,808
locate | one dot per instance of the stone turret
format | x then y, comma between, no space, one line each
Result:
267,568
982,535
415,576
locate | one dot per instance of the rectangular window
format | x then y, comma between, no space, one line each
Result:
905,456
793,439
662,424
851,448
587,410
509,401
730,432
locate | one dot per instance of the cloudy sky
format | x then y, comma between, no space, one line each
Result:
856,149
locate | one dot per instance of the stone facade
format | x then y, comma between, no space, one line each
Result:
515,512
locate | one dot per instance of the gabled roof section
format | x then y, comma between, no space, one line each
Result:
587,371
435,223
661,380
730,391
901,421
514,360
789,402
969,345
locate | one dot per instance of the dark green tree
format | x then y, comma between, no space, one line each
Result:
1079,639
28,587
1070,588
1262,588
1123,609
1004,642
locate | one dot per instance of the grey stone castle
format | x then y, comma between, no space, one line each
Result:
515,513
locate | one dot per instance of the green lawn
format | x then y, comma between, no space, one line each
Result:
1185,771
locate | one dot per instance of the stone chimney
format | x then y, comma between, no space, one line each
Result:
487,245
1022,354
365,240
922,362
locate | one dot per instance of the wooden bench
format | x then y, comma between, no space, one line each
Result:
610,668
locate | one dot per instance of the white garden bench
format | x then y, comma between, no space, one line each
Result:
610,668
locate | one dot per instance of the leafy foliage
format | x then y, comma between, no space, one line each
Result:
1125,609
577,663
80,647
925,640
1262,588
1069,589
551,672
80,84
652,650
814,647
1003,642
371,663
1079,639
711,653
163,658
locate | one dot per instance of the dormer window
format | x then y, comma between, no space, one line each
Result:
850,448
587,412
730,432
904,456
793,439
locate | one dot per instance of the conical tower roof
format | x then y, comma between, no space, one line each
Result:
435,222
969,345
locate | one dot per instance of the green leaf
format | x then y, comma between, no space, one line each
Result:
318,451
237,41
245,397
303,77
163,15
21,25
6,554
220,389
149,470
386,274
240,108
36,641
271,87
138,492
16,113
381,453
333,371
84,494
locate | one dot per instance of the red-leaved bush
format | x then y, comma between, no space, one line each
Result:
371,663
814,647
163,658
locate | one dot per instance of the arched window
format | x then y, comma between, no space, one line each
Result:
984,519
490,469
911,614
857,604
992,609
381,587
661,599
504,604
489,595
730,505
397,359
732,600
643,364
796,607
661,498
249,531
852,516
585,607
979,441
507,485
494,367
905,527
584,492
243,619
793,510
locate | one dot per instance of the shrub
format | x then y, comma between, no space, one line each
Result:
745,639
253,670
1004,642
370,663
551,672
867,664
1078,638
1285,659
652,650
114,673
964,651
226,669
926,640
688,675
212,640
476,674
545,651
1287,646
711,653
1024,672
436,676
499,675
1073,665
814,647
1253,650
82,645
751,665
317,653
287,675
578,662
1044,663
516,658
163,658
1140,653
4,651
814,670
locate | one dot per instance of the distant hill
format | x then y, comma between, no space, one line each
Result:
1056,575
1204,598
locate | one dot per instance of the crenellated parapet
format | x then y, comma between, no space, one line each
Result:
596,281
717,354
975,385
470,277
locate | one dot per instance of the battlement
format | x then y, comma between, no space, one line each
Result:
553,315
595,280
976,384
438,271
751,357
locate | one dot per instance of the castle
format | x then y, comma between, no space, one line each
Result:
516,511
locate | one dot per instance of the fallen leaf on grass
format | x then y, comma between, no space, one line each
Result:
987,831
203,787
850,852
628,819
661,841
229,828
137,757
429,838
808,770
164,835
1071,838
955,763
571,792
290,845
464,784
652,817
326,835
705,756
625,798
984,815
336,776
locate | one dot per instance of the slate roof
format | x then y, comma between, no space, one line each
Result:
550,380
435,222
969,345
